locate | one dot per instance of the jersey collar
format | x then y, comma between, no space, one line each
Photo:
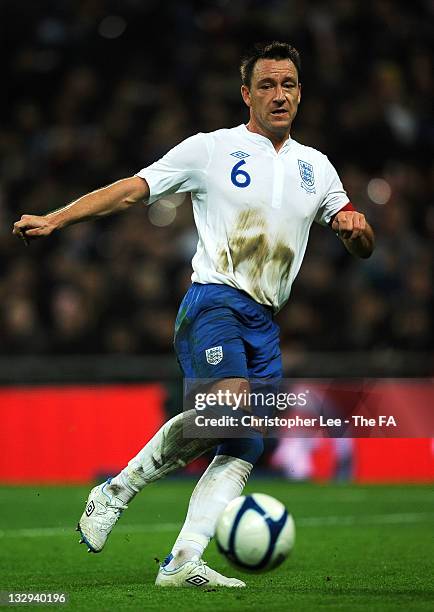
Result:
258,138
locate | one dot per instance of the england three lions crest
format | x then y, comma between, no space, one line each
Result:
307,176
214,355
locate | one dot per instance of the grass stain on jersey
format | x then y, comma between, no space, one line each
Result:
249,243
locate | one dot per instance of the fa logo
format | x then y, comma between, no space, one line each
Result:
307,176
214,355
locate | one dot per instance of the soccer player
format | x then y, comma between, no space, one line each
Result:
256,193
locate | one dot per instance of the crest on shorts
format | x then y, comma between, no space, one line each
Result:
214,355
307,176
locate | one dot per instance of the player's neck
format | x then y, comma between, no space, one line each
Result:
277,139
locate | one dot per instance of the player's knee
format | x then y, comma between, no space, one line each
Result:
248,449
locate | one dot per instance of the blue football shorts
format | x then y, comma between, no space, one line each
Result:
221,332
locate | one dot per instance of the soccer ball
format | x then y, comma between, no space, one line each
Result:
255,532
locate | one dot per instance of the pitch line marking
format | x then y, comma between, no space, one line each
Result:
308,521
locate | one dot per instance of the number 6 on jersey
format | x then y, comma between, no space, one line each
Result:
236,172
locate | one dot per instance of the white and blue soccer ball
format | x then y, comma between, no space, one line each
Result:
255,532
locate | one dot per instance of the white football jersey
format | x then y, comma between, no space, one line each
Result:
253,207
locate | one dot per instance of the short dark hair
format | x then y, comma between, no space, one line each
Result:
273,50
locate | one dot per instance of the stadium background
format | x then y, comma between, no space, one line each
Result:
98,89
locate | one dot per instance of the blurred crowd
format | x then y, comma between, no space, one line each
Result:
98,89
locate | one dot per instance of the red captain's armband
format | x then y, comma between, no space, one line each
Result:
348,206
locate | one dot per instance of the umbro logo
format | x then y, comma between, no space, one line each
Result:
240,154
90,508
197,580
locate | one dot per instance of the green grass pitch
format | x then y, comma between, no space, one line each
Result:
365,548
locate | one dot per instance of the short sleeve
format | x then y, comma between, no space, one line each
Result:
334,198
181,170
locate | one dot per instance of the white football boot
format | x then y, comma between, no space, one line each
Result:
195,574
101,514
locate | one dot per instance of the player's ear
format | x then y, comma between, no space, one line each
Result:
245,93
299,92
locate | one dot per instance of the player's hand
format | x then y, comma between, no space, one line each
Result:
349,224
30,227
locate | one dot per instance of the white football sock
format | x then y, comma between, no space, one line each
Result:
223,480
167,451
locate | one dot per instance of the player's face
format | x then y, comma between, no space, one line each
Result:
273,97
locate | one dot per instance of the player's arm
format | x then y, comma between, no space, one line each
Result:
106,201
354,231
